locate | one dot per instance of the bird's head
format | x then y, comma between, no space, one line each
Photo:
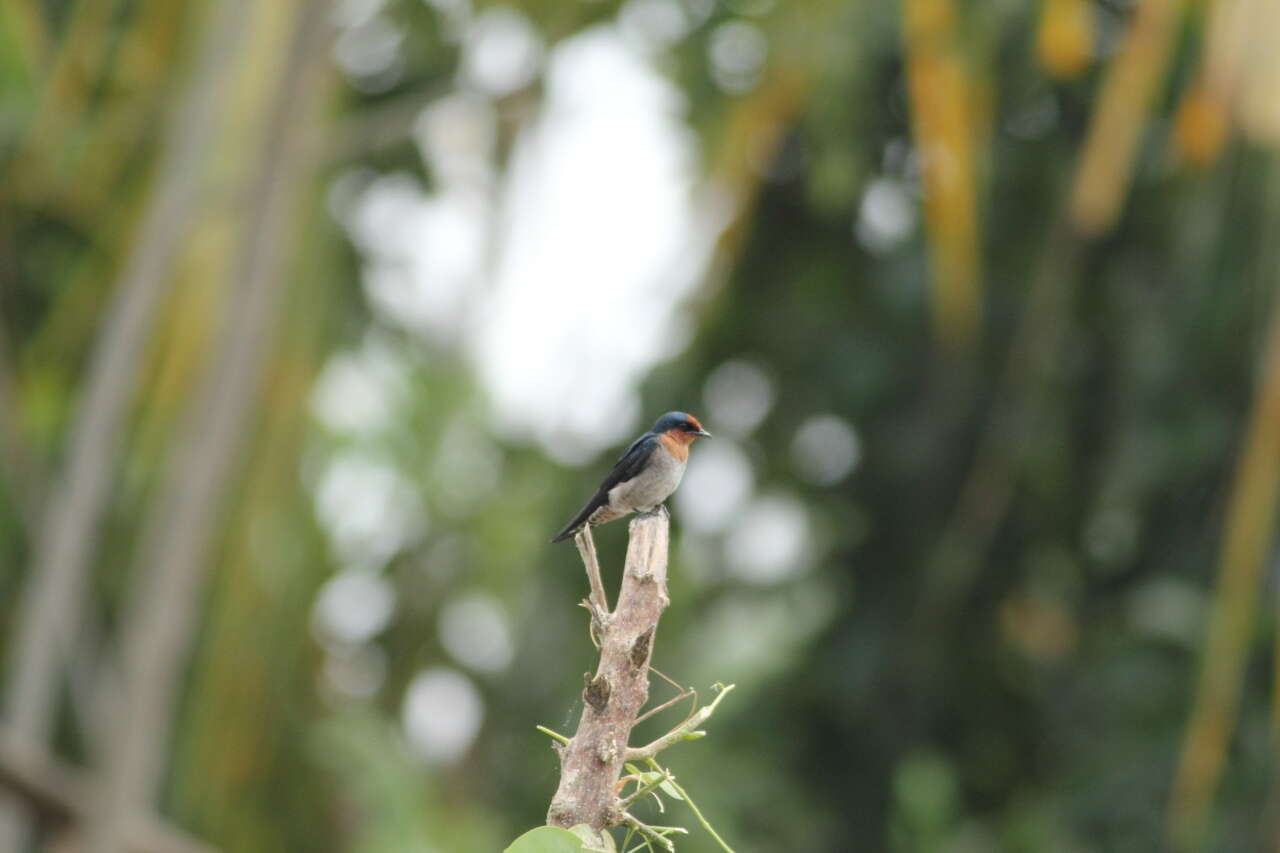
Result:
681,426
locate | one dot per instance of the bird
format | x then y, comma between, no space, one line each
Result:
644,476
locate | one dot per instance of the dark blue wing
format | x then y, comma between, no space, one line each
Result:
629,464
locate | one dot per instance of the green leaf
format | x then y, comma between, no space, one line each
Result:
648,777
546,839
592,841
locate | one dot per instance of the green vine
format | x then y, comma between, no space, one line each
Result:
656,780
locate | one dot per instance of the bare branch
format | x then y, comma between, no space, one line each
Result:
688,730
685,693
598,604
63,795
591,762
656,834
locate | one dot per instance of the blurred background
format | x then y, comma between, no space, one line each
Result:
318,319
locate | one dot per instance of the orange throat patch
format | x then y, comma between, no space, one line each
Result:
677,443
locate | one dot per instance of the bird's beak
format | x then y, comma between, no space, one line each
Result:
703,433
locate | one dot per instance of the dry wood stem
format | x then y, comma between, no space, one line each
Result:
598,604
591,762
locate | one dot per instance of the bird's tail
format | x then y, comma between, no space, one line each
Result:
580,519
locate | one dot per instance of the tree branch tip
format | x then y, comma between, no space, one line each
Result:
554,735
685,731
642,790
654,833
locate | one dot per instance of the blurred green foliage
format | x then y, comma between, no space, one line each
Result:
990,637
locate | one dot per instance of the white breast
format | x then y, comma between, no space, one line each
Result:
651,487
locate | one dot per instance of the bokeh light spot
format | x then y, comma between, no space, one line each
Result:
886,215
474,630
502,52
353,607
718,481
369,509
653,24
825,449
738,395
442,714
1168,609
768,542
737,51
358,391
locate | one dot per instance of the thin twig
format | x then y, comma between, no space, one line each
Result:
626,839
683,692
554,735
667,704
654,833
587,548
689,802
667,678
643,845
677,685
685,731
642,788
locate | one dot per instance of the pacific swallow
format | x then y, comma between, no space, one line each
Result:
644,476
